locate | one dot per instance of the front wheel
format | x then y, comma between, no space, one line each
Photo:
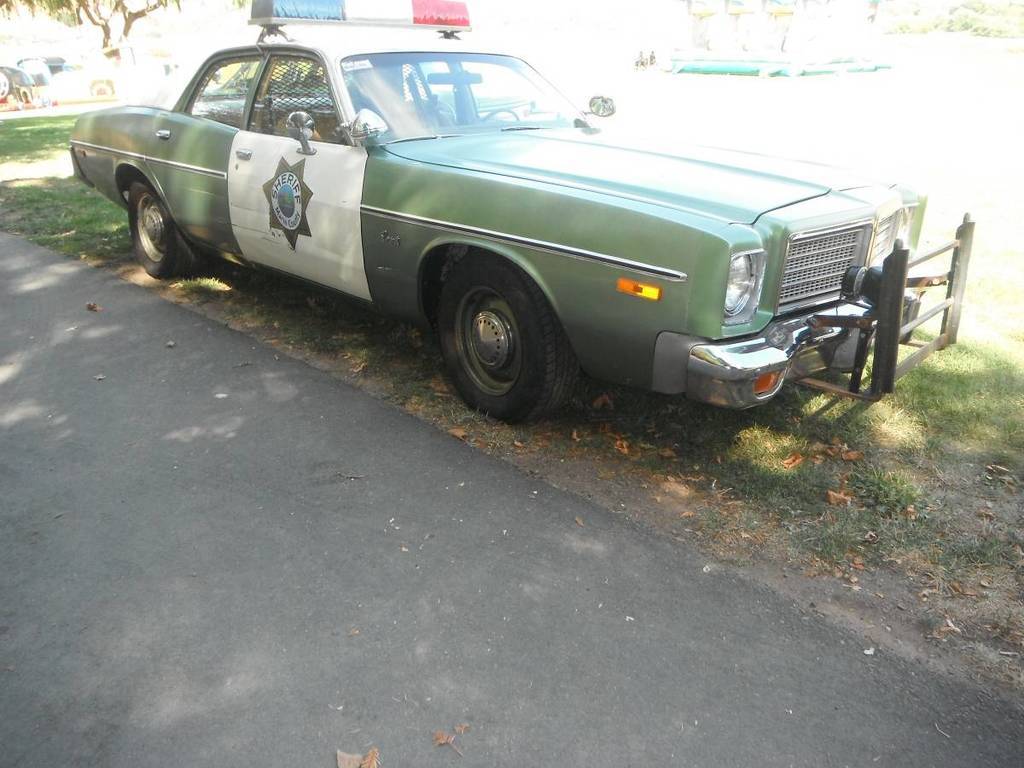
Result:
504,348
159,246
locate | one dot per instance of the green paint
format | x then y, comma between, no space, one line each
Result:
198,202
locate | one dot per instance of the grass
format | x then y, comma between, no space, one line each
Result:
65,215
36,138
912,494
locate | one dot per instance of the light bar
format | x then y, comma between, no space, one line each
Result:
430,14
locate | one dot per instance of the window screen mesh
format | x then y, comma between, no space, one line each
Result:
295,84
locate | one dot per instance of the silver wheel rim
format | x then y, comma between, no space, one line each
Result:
487,341
152,228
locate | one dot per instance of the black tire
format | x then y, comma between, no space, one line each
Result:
504,348
158,243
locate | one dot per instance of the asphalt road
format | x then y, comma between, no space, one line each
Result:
215,557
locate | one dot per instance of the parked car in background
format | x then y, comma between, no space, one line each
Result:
80,82
17,89
67,81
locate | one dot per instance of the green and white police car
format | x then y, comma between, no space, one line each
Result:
457,188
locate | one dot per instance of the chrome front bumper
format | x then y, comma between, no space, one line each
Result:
724,372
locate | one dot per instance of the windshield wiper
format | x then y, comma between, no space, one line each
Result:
421,138
522,128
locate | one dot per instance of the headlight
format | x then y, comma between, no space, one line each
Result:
744,286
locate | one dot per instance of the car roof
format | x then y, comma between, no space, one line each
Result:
339,41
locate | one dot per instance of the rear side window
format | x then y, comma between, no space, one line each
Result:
222,92
295,84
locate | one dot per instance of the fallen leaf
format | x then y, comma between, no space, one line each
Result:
170,345
575,436
370,760
458,432
838,498
99,377
858,563
442,739
353,632
958,588
793,460
579,521
462,728
603,401
688,513
403,547
852,455
357,369
92,306
622,446
518,444
440,386
869,651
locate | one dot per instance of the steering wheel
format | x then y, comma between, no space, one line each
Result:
445,114
490,115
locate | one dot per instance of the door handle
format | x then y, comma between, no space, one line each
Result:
243,154
163,134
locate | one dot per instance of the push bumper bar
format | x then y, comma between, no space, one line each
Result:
741,374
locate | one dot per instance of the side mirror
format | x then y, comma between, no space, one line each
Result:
301,127
367,125
602,106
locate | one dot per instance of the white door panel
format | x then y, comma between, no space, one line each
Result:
299,213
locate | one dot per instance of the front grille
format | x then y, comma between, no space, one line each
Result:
815,264
885,238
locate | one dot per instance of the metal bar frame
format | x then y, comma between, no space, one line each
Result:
885,327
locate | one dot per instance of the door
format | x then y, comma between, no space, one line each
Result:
293,211
189,151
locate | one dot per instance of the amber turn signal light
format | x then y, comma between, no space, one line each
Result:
634,288
766,382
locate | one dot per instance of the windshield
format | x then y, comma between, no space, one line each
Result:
440,94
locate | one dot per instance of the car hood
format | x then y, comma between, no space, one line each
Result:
723,184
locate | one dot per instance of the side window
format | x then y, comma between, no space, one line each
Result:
290,84
223,90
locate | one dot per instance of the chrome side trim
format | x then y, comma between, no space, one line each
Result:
561,250
183,166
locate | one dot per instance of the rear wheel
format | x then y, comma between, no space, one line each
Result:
101,89
504,348
159,246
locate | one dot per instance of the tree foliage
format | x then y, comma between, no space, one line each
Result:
114,18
